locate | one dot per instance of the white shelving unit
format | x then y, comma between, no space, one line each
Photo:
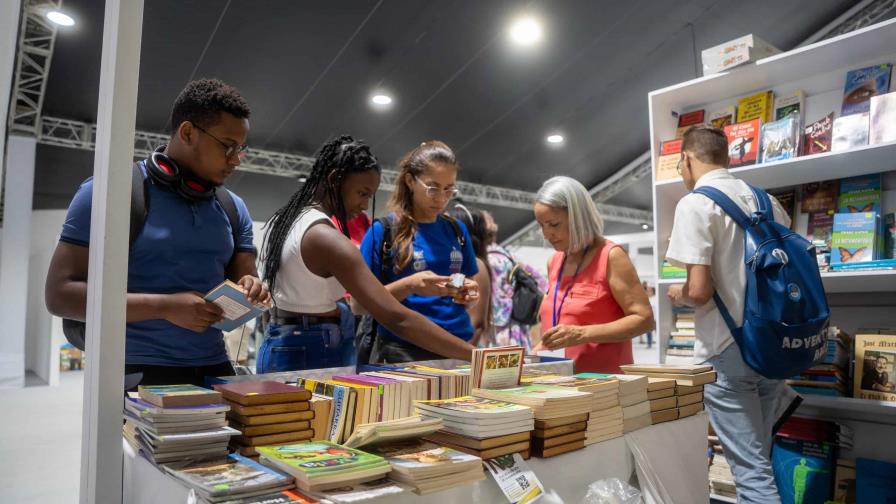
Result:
819,70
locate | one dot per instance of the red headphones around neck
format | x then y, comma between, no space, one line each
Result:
164,170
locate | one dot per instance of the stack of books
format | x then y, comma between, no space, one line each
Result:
171,423
830,376
267,413
559,435
480,427
682,337
632,399
689,381
428,467
322,465
547,402
231,478
605,417
393,430
663,403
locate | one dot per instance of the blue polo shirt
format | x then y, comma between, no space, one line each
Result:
436,249
183,246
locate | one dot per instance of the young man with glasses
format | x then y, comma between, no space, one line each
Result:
186,245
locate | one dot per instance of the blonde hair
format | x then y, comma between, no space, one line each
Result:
585,223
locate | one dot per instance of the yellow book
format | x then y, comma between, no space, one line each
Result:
758,106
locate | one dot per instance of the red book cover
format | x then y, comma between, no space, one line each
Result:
691,118
818,135
743,143
262,392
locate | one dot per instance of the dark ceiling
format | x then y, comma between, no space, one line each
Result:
308,68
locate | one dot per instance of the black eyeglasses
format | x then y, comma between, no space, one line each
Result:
230,150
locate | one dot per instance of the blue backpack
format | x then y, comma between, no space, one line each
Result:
785,308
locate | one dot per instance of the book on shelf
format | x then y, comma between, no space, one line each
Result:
803,469
689,120
757,106
818,135
667,161
874,480
787,200
743,143
745,49
874,375
792,104
169,396
820,229
254,393
861,85
883,119
820,196
497,367
236,307
670,271
322,465
723,117
854,238
849,132
890,236
860,194
780,139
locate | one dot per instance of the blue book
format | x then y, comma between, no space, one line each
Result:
854,238
832,392
860,194
874,481
237,308
780,139
803,470
861,85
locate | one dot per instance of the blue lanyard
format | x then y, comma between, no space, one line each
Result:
555,310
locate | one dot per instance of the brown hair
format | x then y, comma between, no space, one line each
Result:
707,144
401,203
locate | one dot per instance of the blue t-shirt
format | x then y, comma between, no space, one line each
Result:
436,249
183,246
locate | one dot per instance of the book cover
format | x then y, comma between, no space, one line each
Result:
860,194
231,298
319,457
283,497
670,271
667,162
850,132
873,376
474,407
743,143
883,119
854,238
178,395
498,367
803,470
537,393
861,85
874,480
787,200
820,197
415,454
723,117
780,139
890,236
792,104
757,106
253,393
231,475
688,120
818,135
820,229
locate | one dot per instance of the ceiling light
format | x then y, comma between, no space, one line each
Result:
381,99
302,180
555,139
60,18
645,226
525,31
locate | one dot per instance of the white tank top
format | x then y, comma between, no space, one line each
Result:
297,289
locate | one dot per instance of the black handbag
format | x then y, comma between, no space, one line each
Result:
365,333
527,297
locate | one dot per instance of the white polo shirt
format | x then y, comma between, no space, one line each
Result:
704,234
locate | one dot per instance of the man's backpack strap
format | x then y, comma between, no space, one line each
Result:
725,203
226,200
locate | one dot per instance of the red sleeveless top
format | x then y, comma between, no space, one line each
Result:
589,302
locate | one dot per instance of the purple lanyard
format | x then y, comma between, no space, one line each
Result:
556,311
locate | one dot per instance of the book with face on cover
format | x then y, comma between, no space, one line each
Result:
231,298
875,367
861,85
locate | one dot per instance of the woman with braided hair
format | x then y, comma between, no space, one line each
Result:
309,265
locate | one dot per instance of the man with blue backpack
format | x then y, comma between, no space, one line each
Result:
760,305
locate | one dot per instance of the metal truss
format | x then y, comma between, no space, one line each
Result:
863,14
37,37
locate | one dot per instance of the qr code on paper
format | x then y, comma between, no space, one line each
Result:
523,482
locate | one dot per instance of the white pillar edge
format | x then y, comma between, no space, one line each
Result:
101,449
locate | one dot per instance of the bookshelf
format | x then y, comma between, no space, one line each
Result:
849,408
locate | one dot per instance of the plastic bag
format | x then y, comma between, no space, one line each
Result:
612,491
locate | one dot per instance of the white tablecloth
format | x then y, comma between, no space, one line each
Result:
669,458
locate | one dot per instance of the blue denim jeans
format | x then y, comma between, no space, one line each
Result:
745,408
295,347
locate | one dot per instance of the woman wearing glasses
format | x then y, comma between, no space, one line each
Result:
423,249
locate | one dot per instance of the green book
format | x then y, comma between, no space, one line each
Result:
319,458
669,271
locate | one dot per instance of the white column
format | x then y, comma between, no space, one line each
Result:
107,280
15,251
9,30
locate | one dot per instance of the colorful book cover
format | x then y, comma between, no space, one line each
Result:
883,119
499,367
787,200
340,396
757,106
792,104
474,405
418,454
820,197
743,142
670,271
861,85
821,228
850,132
860,194
667,162
818,135
231,475
780,139
689,119
723,117
874,373
854,238
803,470
890,236
320,457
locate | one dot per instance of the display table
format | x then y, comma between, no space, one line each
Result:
669,459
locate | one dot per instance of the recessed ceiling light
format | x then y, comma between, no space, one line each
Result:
60,18
555,138
525,31
303,179
645,226
381,99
